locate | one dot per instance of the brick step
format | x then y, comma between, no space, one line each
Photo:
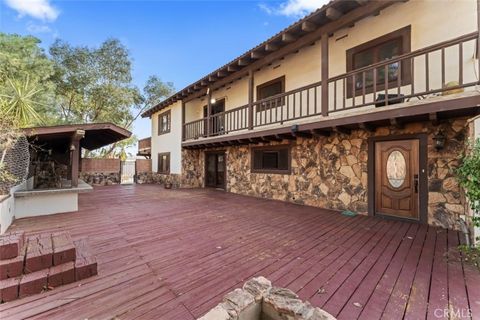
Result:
13,267
11,244
46,250
85,262
83,266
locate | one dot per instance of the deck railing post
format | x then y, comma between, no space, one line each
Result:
250,99
209,111
183,121
324,42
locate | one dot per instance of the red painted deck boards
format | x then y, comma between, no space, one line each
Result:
173,254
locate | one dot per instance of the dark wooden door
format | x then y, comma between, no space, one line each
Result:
396,178
215,166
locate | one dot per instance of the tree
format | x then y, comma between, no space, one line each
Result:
95,85
25,80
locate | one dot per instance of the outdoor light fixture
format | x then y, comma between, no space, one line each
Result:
439,140
294,128
213,100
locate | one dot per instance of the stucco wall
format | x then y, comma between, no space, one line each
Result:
169,142
331,172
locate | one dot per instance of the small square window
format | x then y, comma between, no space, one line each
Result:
271,159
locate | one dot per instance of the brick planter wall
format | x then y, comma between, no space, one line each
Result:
331,172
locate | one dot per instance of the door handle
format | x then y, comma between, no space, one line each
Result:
415,182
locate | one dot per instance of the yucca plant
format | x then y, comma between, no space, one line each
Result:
20,100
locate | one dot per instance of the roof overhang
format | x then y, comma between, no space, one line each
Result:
335,15
95,135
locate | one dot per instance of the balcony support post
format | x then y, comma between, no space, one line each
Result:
250,99
324,43
183,120
209,111
478,34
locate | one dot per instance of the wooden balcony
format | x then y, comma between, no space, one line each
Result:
438,79
145,147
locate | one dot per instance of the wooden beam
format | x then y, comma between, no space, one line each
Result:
342,130
396,123
308,26
203,82
333,14
212,79
273,138
320,133
75,156
270,47
366,126
232,68
183,120
325,75
433,117
302,134
288,37
251,85
222,74
243,62
256,55
286,136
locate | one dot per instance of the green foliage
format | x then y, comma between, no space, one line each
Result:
8,137
94,84
21,56
469,178
20,101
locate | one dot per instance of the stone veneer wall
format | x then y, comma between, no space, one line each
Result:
100,178
157,178
331,172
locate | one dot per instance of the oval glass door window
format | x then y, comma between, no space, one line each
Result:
396,169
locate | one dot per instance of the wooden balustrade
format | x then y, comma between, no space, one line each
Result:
434,70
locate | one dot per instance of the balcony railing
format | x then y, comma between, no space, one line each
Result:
439,69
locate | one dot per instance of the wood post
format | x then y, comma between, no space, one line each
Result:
183,121
324,42
478,36
209,110
75,156
250,98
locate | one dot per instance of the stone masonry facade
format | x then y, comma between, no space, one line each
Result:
331,172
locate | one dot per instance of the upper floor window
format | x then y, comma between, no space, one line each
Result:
164,122
270,89
271,159
164,163
381,49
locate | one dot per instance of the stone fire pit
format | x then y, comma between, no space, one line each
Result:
259,300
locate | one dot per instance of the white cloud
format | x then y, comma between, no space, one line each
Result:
39,9
36,28
294,8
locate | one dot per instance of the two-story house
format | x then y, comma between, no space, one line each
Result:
361,105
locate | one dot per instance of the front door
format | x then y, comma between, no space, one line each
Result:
397,178
215,169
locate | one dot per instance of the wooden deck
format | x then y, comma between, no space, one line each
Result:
173,254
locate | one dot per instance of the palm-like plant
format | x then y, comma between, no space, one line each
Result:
20,101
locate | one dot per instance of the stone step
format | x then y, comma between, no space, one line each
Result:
63,248
85,263
13,267
33,283
39,254
11,244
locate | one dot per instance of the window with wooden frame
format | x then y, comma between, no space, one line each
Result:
380,49
270,89
271,159
164,122
164,163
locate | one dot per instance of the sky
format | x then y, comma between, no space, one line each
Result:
179,41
